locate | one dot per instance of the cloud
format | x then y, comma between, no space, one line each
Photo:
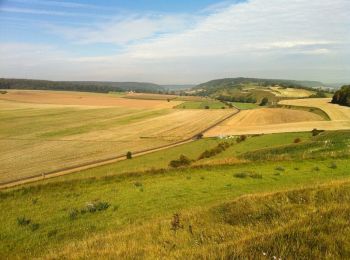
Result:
126,29
301,39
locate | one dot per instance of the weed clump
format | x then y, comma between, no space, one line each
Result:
252,175
175,222
333,165
279,168
23,221
73,214
241,175
297,140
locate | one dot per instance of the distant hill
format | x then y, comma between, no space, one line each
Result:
178,87
237,82
86,86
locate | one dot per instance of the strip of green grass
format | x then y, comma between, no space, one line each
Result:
201,105
244,106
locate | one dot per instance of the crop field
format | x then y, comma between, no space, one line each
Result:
82,99
280,120
37,138
291,92
240,209
266,120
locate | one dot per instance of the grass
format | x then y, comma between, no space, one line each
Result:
244,106
212,104
293,224
136,200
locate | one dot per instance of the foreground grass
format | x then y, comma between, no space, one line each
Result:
135,198
310,223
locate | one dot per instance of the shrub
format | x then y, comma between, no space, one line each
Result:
138,184
52,233
241,175
182,161
255,176
279,168
316,169
23,221
316,132
128,155
199,136
73,214
333,165
206,107
264,101
34,226
297,140
175,222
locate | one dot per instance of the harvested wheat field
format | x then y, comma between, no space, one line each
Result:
334,111
82,99
270,120
290,92
39,138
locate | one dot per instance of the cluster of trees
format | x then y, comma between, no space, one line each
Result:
214,151
86,86
342,96
319,94
181,162
240,99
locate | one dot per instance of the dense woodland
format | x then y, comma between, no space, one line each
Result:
342,96
86,86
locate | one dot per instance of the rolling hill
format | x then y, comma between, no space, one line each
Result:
86,86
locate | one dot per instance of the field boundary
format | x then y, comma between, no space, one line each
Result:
97,163
315,110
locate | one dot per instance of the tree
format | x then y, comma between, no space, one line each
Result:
264,101
128,155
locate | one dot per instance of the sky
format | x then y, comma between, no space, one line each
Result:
175,41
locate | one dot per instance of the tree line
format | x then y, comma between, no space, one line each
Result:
342,96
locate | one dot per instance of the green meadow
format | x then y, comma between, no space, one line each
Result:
130,199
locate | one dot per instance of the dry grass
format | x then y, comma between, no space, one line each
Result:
82,99
295,224
290,92
267,120
39,138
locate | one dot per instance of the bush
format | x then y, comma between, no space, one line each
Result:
333,165
241,175
175,222
316,132
128,155
206,107
264,101
23,221
297,140
199,136
138,184
34,226
52,233
280,168
181,162
73,214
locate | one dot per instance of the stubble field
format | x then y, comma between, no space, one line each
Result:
50,131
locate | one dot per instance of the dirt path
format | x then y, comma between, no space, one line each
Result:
98,163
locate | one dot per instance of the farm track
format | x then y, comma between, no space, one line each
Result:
97,163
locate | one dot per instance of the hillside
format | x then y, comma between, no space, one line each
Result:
342,96
254,90
86,86
288,202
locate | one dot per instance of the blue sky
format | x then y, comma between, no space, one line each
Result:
175,41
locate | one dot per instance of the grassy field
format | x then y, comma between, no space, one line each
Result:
244,106
210,104
94,212
39,138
